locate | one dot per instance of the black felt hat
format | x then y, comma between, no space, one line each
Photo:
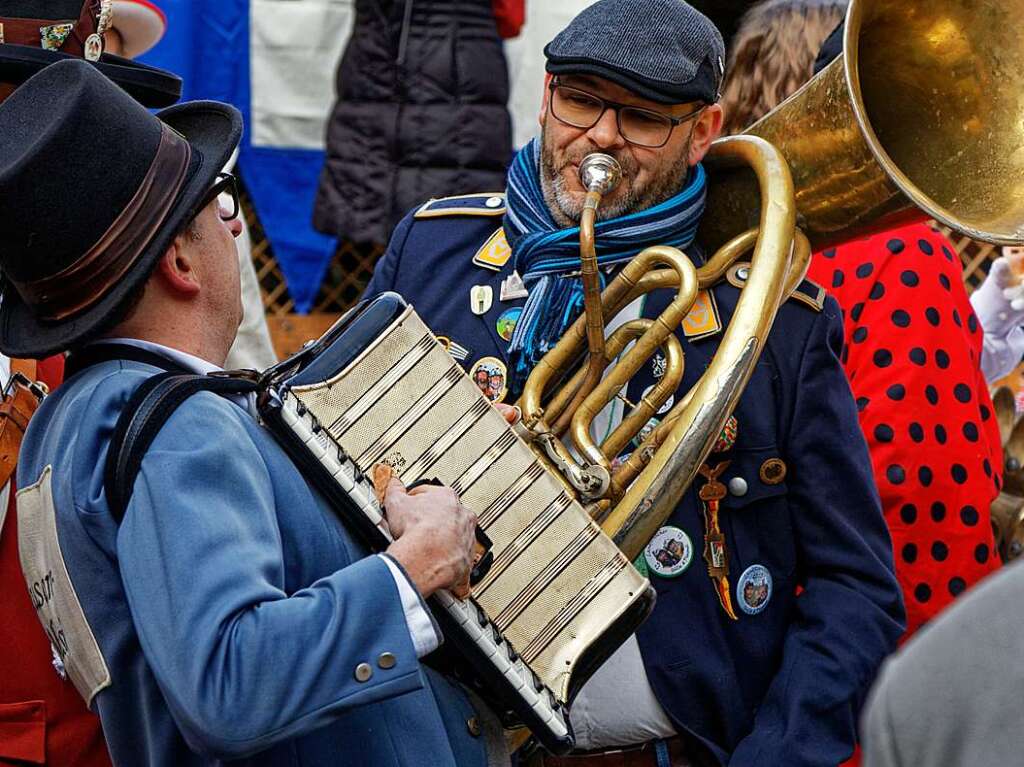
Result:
663,50
37,33
93,190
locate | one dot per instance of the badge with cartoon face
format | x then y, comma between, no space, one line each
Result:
754,589
670,552
490,376
506,325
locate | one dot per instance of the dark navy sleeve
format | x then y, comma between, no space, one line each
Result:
386,271
850,612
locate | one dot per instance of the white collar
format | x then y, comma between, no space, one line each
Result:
188,361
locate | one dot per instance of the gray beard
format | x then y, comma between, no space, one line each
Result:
566,207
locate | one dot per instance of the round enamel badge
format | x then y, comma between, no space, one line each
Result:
754,589
489,374
669,553
506,325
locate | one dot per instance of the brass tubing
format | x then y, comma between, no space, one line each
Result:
663,327
591,280
650,499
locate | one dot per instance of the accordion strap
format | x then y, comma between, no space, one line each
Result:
145,413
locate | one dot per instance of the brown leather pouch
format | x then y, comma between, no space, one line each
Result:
21,397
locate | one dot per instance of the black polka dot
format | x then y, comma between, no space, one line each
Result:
959,473
916,432
829,252
931,394
957,586
944,282
969,516
970,431
947,253
883,358
864,270
940,551
910,278
896,474
908,513
896,392
924,476
862,402
940,434
884,433
956,319
987,467
941,359
981,553
938,511
985,412
856,311
925,247
837,279
922,592
972,323
900,318
895,246
860,335
932,315
909,553
962,392
918,356
877,291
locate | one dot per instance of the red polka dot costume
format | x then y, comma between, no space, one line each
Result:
912,354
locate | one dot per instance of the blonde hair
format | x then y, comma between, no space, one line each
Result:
773,54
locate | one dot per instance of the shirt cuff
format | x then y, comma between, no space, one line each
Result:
426,636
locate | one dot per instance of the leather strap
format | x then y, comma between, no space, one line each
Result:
27,368
17,406
28,31
81,284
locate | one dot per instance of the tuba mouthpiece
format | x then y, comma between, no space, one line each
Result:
600,173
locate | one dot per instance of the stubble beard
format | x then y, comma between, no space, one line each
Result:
566,206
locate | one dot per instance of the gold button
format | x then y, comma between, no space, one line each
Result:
387,660
473,725
363,672
773,471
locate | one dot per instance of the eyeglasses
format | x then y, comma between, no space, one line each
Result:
643,127
226,183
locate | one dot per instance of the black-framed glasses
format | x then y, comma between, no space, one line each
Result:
643,127
226,183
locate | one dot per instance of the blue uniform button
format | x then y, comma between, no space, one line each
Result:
387,660
738,486
363,672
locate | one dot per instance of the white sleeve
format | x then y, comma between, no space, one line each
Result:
426,636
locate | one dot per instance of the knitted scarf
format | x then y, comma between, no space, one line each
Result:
545,255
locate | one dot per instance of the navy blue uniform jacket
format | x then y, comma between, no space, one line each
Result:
783,686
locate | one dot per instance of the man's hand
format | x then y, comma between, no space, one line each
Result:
510,413
434,536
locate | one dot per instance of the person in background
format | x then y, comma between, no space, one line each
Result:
912,351
421,112
999,304
43,720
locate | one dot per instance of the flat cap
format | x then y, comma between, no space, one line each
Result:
663,50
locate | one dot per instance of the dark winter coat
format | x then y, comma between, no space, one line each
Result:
421,112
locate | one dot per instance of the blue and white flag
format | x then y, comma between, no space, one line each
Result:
275,61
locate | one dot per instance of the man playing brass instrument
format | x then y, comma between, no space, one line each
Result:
761,650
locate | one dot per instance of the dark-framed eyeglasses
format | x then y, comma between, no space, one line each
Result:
225,183
643,127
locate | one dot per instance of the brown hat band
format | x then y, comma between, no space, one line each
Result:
30,31
84,282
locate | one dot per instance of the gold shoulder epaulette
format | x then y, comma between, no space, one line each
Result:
807,292
485,204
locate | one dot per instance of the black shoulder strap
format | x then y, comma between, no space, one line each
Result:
145,413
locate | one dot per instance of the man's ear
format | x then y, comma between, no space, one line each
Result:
544,99
177,268
705,131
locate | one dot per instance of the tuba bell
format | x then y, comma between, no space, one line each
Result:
919,118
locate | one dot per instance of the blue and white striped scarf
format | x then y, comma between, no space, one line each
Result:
543,254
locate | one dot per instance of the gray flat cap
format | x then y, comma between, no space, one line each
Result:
663,50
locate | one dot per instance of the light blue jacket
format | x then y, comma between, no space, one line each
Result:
230,606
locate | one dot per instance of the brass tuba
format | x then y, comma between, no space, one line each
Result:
921,117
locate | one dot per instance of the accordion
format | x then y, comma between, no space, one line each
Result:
558,598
